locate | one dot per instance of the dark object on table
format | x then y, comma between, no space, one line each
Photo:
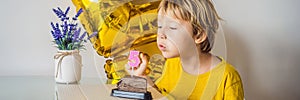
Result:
132,87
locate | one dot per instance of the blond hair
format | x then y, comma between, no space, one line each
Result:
200,13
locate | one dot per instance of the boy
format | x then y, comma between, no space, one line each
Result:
185,37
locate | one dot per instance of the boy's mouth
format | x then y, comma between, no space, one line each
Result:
162,47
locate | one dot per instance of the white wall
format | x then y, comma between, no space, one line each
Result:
261,36
26,47
263,42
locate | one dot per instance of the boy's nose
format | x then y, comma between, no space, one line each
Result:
161,33
162,36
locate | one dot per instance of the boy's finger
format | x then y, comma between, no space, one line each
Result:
144,57
128,68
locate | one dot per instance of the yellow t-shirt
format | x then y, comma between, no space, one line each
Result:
223,82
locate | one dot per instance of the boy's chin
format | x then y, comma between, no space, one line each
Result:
169,56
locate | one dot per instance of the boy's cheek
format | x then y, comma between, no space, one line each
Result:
178,38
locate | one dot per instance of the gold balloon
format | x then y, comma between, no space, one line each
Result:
81,3
122,25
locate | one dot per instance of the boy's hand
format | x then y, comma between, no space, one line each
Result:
139,71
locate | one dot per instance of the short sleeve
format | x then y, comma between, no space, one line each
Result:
234,92
234,86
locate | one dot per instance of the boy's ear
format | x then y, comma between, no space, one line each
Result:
200,37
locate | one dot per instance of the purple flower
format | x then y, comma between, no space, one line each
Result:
94,34
66,35
53,27
54,35
82,36
78,14
66,12
61,14
76,35
73,25
58,13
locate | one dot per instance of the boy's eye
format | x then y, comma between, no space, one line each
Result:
173,28
159,26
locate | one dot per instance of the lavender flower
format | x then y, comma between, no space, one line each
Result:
82,36
78,13
66,35
76,35
66,13
93,35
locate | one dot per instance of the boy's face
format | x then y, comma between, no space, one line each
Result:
174,35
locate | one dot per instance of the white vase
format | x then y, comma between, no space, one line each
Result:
68,65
